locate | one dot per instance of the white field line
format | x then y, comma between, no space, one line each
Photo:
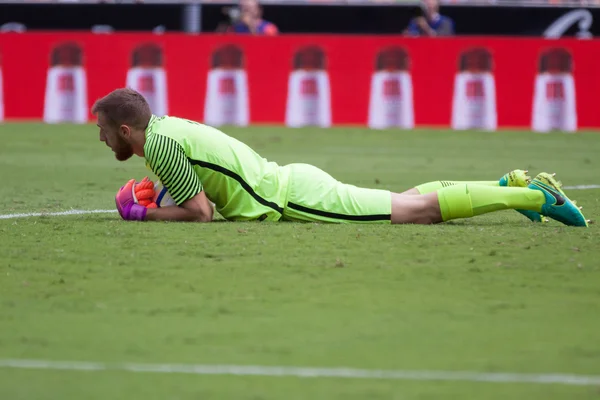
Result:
581,187
82,212
56,214
307,372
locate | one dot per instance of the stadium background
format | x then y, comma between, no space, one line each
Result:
334,63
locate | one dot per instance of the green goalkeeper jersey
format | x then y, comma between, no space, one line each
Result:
189,157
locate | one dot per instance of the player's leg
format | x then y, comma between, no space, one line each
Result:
516,178
543,195
315,196
431,187
462,201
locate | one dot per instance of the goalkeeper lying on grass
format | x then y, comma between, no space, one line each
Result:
199,165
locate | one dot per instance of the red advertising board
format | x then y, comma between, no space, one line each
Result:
379,81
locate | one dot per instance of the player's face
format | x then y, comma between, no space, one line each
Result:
113,139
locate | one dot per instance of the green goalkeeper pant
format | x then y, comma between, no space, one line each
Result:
315,196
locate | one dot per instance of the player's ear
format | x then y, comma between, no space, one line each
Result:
125,131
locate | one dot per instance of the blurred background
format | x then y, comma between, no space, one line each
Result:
460,64
471,17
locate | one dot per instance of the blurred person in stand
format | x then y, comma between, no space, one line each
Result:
429,22
247,19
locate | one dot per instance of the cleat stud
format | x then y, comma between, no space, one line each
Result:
574,201
581,208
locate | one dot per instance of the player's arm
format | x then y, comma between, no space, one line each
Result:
196,209
169,162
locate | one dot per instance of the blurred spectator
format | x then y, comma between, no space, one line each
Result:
247,19
430,23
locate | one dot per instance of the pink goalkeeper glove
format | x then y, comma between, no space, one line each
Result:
126,205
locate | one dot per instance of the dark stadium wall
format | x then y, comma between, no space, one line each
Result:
513,21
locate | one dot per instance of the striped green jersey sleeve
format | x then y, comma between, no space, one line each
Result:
167,159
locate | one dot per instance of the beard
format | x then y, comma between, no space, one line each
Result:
123,150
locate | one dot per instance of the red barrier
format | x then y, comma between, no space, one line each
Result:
422,78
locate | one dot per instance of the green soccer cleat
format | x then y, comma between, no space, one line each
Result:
557,206
516,178
519,178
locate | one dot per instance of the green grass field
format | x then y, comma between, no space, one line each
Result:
492,294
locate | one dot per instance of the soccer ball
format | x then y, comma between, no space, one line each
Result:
162,198
151,194
159,197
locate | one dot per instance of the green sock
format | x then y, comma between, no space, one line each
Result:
468,200
431,187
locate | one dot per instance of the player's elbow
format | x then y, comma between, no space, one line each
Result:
199,208
208,217
204,213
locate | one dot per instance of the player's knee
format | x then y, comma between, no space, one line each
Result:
431,208
417,209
